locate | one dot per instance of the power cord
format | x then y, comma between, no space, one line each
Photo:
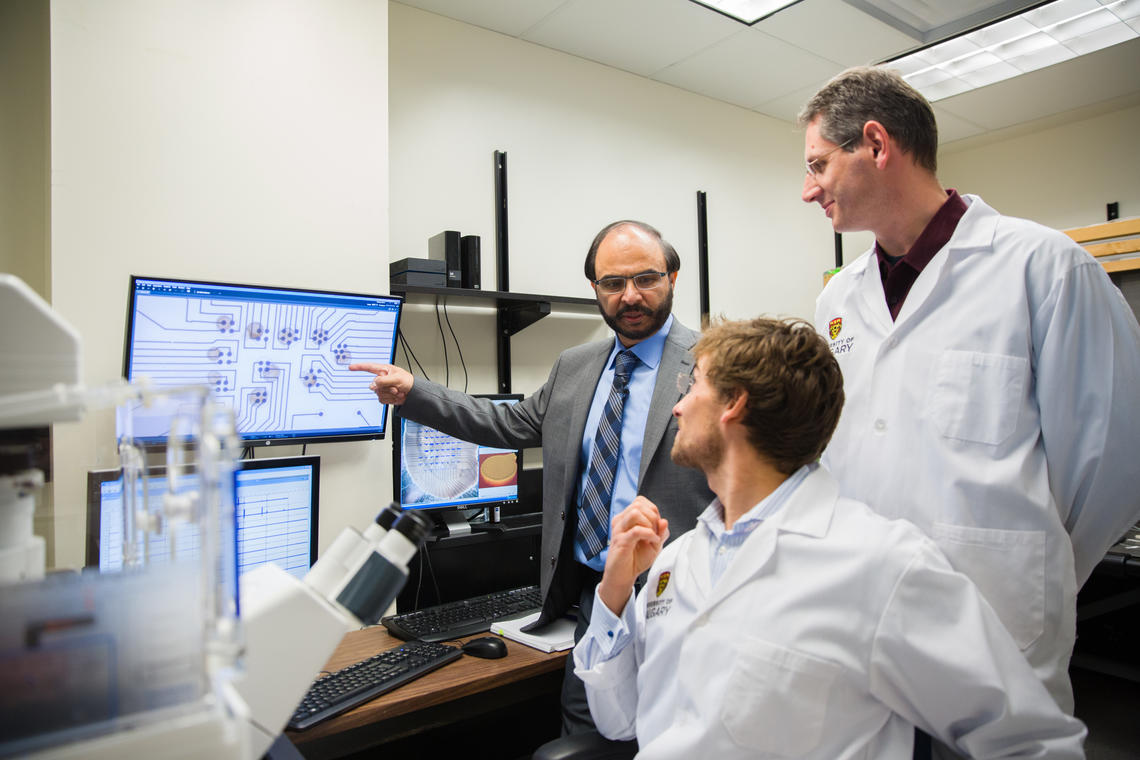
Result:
443,339
457,346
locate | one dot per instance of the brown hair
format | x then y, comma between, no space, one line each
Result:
793,383
867,93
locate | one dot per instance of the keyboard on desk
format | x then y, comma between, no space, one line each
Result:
463,618
346,688
1129,545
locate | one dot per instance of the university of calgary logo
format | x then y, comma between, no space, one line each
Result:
834,327
662,582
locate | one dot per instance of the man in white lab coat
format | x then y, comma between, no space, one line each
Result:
792,622
989,365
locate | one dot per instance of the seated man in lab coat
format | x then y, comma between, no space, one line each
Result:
792,622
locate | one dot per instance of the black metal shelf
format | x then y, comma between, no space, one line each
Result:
516,312
522,309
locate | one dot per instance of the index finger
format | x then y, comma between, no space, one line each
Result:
375,369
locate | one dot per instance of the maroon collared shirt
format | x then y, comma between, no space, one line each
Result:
899,273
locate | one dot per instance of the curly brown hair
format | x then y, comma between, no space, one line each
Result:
792,381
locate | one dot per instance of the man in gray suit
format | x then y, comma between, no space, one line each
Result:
604,401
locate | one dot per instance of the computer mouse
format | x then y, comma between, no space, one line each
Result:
488,647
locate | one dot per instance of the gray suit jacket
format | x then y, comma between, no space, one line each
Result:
555,419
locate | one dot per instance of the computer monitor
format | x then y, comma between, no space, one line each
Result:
435,471
275,505
278,356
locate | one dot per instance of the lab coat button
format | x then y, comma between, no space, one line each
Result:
880,425
562,515
552,560
892,342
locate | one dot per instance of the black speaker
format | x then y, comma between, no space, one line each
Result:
445,247
469,256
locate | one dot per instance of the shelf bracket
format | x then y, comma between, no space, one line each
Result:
517,317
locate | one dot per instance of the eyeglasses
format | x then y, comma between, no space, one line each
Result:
685,382
816,166
643,281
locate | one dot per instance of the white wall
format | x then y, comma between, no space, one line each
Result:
586,145
1061,176
24,156
259,140
233,140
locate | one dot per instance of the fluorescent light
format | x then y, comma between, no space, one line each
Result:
1032,40
746,11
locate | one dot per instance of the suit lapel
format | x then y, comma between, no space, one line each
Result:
675,358
582,385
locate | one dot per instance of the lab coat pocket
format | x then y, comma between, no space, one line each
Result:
1008,567
976,396
776,699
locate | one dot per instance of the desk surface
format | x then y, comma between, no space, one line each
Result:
395,713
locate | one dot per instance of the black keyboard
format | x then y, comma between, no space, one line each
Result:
463,618
1130,544
340,691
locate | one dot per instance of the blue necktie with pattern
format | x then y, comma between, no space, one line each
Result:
594,509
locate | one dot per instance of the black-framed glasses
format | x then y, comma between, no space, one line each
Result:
642,281
816,166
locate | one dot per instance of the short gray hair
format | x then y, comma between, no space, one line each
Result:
867,93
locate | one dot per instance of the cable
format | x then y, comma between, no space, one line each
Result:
457,347
443,340
431,570
409,352
420,579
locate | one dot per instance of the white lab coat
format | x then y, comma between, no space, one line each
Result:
830,635
998,413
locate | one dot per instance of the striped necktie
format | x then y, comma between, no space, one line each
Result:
594,509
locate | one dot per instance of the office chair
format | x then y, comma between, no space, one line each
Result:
586,746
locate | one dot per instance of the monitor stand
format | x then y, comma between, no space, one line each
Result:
454,523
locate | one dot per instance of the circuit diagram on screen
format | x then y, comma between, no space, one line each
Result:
281,366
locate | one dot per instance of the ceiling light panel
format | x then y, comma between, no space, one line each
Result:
1044,36
746,11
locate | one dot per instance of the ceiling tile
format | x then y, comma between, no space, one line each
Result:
640,36
952,127
747,69
511,17
838,31
773,67
1105,74
787,107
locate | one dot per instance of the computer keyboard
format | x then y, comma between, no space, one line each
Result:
340,691
463,618
1129,545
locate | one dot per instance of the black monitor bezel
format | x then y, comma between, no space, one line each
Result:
397,445
95,479
261,439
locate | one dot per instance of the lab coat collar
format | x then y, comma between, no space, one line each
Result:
808,512
975,231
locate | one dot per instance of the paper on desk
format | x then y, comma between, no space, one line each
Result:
555,637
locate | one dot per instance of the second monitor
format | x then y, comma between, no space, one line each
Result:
435,471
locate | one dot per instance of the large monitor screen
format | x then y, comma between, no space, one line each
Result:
433,470
278,356
275,509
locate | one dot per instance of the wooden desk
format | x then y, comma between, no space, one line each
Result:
459,690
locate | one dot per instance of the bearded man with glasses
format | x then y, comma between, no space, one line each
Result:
603,419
